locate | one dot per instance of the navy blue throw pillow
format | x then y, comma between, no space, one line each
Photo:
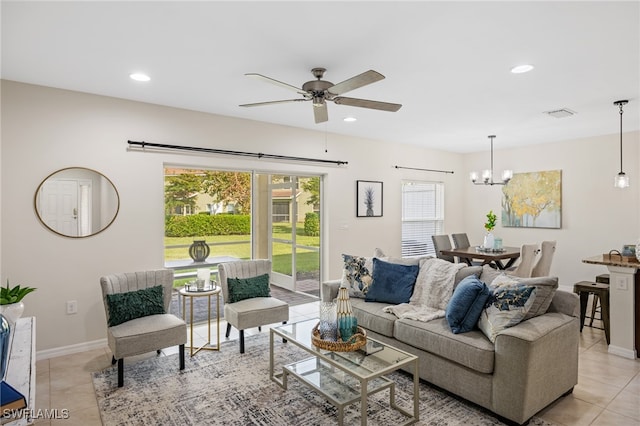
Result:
466,304
392,283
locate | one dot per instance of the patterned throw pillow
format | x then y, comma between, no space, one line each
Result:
357,275
507,306
545,290
248,288
124,307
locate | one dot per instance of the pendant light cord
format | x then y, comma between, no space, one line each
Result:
621,112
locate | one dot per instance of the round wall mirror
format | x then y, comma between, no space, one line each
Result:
77,202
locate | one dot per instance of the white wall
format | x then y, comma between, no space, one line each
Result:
45,129
596,217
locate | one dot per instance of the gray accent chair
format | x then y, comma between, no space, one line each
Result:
442,242
254,312
146,334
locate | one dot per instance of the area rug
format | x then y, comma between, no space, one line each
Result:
227,388
293,298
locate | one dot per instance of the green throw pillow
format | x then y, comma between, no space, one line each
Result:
248,288
124,307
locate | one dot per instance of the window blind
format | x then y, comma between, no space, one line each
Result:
422,216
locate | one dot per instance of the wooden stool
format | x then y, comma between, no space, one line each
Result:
604,279
583,289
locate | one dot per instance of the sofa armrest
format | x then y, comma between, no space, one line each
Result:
329,290
565,303
536,362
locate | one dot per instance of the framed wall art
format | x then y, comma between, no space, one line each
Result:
368,198
533,200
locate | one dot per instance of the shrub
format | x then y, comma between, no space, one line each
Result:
201,225
312,224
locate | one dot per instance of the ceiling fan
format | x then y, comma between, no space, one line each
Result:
319,91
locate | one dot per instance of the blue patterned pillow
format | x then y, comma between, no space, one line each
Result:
466,304
507,306
392,282
357,275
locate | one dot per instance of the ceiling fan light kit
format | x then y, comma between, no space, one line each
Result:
319,91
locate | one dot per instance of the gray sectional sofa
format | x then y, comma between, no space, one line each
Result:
529,366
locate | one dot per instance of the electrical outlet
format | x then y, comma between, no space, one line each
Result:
72,307
621,283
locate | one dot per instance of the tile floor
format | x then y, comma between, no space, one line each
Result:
608,391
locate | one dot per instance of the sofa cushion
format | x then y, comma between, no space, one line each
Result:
466,304
371,316
472,350
392,282
546,288
357,274
507,307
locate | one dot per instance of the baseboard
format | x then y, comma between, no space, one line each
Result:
71,349
626,353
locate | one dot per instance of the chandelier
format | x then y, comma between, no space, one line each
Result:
487,175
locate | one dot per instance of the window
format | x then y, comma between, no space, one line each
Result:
422,216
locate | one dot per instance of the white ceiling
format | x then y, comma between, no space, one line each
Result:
448,63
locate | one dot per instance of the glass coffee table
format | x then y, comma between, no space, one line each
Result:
344,378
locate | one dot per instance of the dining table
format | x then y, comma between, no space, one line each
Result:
491,257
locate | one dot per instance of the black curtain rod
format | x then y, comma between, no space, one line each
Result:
238,153
425,170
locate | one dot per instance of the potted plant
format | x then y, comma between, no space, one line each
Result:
11,305
489,225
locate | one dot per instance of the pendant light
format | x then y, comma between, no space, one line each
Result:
487,175
621,179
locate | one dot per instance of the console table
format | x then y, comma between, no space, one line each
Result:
21,367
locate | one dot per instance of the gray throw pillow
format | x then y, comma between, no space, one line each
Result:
545,289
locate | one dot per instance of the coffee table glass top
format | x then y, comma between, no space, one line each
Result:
374,359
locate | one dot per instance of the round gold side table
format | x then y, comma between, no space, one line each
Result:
215,291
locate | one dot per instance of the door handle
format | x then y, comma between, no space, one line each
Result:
75,213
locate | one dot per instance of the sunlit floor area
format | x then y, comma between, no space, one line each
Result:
608,391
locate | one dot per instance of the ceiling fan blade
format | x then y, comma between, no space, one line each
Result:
277,83
360,80
320,113
365,103
274,102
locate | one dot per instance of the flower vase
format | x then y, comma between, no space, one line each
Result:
347,323
328,321
489,241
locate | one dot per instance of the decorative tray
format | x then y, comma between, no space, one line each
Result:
192,288
490,250
357,341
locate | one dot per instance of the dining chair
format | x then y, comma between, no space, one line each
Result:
528,254
543,265
461,240
442,242
247,296
138,319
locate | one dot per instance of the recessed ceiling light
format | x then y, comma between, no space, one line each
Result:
519,69
350,119
139,77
